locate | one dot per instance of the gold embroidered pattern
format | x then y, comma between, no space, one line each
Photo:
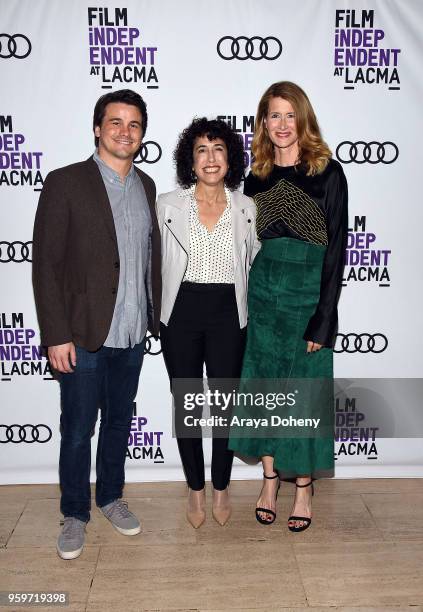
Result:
294,207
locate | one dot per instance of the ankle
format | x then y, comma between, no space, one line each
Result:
303,481
196,497
270,476
196,492
221,497
221,492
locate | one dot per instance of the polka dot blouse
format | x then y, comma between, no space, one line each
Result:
211,257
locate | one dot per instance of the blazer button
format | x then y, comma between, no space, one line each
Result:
114,291
169,220
117,264
249,220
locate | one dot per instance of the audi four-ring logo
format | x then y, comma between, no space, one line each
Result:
150,153
243,48
17,251
25,433
360,343
15,45
152,346
372,152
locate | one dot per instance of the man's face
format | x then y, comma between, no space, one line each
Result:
120,132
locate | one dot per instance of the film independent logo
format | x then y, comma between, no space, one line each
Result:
150,152
360,343
254,48
25,433
14,45
16,251
372,152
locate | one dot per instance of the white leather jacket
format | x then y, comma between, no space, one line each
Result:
173,218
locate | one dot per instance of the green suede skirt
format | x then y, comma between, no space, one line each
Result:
284,290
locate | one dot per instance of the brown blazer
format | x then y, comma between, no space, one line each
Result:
76,259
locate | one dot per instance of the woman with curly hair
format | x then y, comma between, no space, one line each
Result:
208,244
301,198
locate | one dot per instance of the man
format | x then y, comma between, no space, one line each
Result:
97,286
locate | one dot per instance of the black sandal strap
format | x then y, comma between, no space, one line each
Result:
303,486
300,518
270,477
266,510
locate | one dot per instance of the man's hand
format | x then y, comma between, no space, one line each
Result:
313,346
62,356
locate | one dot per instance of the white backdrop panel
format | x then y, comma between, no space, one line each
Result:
46,111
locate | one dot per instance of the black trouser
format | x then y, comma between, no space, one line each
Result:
203,329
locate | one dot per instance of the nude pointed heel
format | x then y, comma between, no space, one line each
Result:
196,509
222,509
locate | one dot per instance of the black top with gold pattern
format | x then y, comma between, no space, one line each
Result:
313,209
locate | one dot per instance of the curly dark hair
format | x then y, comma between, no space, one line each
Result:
213,128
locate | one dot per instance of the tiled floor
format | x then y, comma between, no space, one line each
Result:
363,552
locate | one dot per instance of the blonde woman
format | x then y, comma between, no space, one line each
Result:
301,198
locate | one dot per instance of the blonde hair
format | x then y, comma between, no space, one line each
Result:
314,153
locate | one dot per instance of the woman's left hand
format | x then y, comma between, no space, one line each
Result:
313,346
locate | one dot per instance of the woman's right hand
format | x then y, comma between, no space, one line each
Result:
312,347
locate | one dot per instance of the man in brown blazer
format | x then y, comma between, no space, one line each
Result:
97,286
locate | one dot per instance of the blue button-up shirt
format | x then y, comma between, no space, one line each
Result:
133,227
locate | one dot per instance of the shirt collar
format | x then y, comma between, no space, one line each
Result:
108,173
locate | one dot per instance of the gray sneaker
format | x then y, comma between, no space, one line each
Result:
71,539
121,518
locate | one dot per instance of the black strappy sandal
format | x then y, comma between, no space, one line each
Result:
305,519
261,520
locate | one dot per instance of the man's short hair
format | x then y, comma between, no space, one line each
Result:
125,96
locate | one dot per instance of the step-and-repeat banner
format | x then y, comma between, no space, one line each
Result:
359,62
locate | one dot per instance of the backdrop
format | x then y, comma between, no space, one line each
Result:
359,62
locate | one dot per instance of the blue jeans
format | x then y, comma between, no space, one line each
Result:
106,379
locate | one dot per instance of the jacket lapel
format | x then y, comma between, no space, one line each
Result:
177,219
100,197
241,224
